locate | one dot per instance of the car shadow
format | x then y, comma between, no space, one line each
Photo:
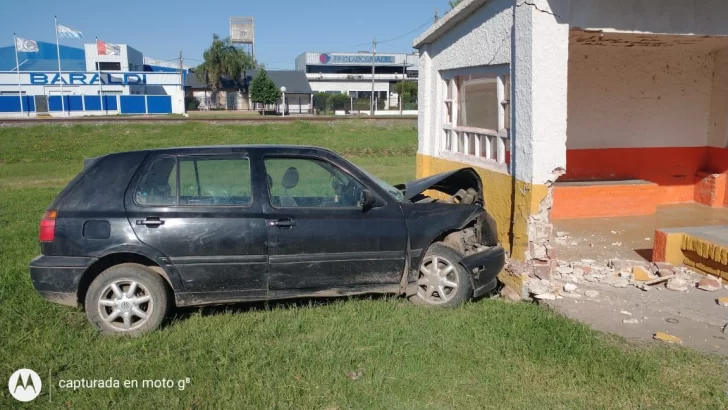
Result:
183,313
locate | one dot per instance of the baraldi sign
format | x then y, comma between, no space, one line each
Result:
354,59
87,78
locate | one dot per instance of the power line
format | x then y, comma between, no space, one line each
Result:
429,21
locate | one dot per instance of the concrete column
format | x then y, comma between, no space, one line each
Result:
539,71
427,96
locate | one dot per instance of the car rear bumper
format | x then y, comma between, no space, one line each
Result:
56,278
484,268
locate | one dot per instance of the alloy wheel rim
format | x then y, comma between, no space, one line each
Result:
438,280
125,305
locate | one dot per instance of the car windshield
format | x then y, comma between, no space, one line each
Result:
387,187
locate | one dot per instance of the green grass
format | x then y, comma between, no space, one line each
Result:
486,354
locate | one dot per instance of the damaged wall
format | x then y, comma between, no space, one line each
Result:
539,66
520,203
480,41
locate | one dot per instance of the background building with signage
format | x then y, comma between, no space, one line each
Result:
118,81
351,73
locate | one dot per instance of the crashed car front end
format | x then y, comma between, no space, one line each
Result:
449,208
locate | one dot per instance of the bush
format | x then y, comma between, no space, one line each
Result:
340,102
320,102
192,103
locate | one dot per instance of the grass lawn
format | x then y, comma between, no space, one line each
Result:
486,354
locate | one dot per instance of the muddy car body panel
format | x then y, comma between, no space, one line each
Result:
270,240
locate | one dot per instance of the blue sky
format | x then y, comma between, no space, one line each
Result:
284,28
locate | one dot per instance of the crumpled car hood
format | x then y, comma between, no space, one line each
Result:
448,182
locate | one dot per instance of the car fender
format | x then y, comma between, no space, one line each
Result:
148,252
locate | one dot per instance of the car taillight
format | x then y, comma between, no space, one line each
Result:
48,226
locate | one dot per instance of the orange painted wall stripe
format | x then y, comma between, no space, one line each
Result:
594,201
674,169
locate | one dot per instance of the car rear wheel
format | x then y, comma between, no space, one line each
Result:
127,299
442,280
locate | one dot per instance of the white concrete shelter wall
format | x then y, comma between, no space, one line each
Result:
718,121
482,39
629,97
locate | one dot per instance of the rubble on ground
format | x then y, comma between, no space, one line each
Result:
667,338
566,277
710,283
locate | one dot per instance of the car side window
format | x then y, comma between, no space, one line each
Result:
159,184
214,181
310,183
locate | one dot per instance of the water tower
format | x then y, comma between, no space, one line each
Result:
242,34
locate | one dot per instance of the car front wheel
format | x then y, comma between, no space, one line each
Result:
442,280
127,299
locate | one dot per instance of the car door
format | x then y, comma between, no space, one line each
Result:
199,211
319,236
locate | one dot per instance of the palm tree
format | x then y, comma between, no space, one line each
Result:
454,3
223,59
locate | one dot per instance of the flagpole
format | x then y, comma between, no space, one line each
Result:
98,73
60,73
17,68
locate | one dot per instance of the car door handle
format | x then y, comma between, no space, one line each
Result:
151,221
283,223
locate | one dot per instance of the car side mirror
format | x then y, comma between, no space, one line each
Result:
368,200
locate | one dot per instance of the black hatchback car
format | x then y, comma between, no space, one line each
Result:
137,233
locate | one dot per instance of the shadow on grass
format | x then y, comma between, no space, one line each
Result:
183,313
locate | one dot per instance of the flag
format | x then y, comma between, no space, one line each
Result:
23,45
67,32
107,49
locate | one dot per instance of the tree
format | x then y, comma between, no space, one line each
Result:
320,102
263,89
407,91
454,3
340,101
223,59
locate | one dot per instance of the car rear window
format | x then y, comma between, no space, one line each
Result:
203,181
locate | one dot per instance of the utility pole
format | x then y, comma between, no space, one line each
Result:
182,83
374,58
404,78
436,16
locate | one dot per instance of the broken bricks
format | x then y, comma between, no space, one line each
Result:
640,273
662,336
710,283
678,284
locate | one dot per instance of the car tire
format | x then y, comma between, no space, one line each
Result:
441,271
127,299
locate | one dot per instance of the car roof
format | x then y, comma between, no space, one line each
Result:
228,147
